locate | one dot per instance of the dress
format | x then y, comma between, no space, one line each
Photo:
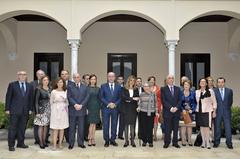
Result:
202,117
93,106
42,107
59,110
129,106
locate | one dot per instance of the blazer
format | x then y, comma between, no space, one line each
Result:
77,95
16,103
208,104
169,101
226,104
107,97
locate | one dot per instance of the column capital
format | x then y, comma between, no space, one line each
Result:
171,43
74,43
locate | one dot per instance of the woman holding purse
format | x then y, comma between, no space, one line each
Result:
188,108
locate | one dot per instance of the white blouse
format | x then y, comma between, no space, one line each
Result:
131,92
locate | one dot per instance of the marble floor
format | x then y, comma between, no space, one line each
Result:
99,152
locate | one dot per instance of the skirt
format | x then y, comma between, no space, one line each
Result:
202,119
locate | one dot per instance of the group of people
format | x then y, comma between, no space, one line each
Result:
66,108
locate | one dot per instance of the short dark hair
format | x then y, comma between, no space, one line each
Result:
119,76
55,86
91,76
149,78
221,78
85,75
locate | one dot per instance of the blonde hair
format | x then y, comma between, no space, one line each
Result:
127,85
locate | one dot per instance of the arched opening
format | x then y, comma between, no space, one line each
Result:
123,43
30,41
205,47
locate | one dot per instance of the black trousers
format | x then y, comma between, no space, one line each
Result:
76,122
171,125
146,127
121,125
66,134
17,127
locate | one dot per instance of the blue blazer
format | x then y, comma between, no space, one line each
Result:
77,96
107,97
226,104
16,103
169,101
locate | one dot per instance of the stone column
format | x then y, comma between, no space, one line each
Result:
74,45
171,44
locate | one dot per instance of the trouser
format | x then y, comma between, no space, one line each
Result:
121,125
107,115
147,123
76,121
66,134
35,133
227,126
17,127
171,124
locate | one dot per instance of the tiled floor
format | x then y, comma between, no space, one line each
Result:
99,152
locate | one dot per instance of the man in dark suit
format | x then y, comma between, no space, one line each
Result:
171,100
110,94
224,97
19,100
35,84
78,96
121,125
65,77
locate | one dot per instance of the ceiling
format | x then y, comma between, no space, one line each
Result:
123,18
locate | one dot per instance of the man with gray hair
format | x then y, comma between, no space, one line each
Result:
19,101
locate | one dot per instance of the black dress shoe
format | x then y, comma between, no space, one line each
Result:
106,144
230,146
42,147
11,149
121,138
22,146
150,145
82,146
144,144
126,144
215,145
70,147
176,145
113,143
165,146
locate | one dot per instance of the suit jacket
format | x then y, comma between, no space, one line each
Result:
77,95
107,97
169,101
16,103
226,104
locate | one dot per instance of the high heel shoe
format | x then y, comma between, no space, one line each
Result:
42,146
93,142
89,142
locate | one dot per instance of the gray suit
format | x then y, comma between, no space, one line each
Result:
223,114
80,96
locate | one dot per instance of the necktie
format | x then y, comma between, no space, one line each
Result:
222,94
111,89
78,86
22,89
172,91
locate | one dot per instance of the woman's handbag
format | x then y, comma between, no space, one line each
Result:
186,117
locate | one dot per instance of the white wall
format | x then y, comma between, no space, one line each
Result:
124,37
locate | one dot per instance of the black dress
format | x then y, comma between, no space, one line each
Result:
202,118
42,107
129,106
